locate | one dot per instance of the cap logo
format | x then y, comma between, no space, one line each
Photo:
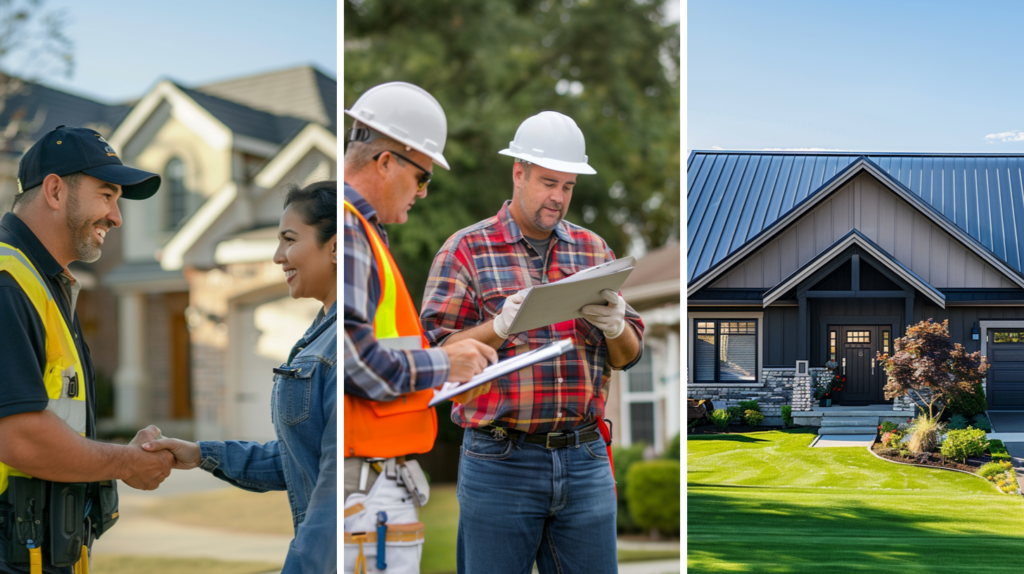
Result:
110,151
20,190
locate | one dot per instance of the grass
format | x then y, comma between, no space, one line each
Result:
231,509
764,502
441,520
116,564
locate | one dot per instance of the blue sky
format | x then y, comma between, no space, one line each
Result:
866,75
123,47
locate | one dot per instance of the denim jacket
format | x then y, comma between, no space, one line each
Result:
304,459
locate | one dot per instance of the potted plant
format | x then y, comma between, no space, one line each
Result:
823,388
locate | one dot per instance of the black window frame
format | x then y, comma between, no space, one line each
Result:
718,338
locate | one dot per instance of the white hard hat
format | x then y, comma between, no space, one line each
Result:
551,140
407,114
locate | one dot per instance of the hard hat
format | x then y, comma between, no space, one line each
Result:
407,114
551,140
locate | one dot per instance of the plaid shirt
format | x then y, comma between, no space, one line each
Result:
373,371
472,275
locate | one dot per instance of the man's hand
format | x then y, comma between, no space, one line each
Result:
186,454
468,357
145,435
145,471
610,318
503,321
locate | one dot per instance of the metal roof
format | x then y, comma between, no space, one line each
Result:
733,196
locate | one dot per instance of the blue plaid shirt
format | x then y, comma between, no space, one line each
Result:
373,371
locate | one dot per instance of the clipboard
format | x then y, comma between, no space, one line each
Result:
502,368
562,300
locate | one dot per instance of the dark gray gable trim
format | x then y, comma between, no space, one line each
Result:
861,164
854,237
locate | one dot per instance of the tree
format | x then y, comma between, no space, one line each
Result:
610,65
928,365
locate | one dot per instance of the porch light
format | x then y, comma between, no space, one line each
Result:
975,333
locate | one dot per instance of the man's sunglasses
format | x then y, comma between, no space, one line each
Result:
424,177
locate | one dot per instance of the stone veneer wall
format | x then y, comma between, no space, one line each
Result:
779,386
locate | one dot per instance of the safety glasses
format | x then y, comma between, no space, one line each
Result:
424,177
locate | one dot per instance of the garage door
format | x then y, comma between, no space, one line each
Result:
1006,375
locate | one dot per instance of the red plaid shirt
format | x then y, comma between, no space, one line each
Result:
472,275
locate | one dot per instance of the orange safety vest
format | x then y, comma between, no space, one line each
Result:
406,425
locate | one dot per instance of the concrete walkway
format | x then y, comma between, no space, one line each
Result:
139,535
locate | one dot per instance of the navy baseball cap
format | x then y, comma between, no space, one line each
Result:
69,150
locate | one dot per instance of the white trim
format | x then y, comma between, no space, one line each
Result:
690,371
826,257
244,251
818,196
183,109
312,136
657,350
173,254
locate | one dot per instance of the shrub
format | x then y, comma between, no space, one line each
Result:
981,422
892,439
673,448
625,458
753,418
924,435
721,418
735,414
991,469
967,403
998,451
957,422
905,453
653,495
787,416
961,444
749,406
886,427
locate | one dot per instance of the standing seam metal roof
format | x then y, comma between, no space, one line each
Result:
733,196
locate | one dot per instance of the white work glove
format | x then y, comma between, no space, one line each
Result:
503,320
610,318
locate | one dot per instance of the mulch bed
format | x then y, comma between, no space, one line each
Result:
931,459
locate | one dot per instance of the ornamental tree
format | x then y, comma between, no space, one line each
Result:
927,365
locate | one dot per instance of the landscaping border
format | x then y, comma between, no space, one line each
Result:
873,453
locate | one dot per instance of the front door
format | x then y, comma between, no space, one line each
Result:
856,346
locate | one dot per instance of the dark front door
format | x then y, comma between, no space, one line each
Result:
856,349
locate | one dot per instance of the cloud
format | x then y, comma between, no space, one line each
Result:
798,149
1010,136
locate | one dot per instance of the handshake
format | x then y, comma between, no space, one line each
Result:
151,457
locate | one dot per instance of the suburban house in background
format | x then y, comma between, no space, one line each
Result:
185,314
643,401
815,256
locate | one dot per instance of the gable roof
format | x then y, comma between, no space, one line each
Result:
247,121
39,109
303,92
735,200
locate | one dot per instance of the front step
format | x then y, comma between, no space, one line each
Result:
834,421
865,430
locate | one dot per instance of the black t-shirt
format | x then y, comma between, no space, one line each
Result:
22,336
540,247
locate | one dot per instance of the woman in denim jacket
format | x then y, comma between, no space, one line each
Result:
304,459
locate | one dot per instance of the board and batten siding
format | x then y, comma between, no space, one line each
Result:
897,227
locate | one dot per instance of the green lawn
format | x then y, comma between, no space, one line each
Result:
764,502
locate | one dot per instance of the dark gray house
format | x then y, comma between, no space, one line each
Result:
797,257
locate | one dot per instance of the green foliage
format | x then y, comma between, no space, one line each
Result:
749,406
981,422
957,422
904,453
924,434
624,458
961,444
735,414
653,495
493,64
787,416
753,418
997,449
893,438
990,469
672,451
720,418
968,403
887,427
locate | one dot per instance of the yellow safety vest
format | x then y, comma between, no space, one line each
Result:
63,376
406,425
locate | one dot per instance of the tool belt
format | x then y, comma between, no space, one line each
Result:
53,522
586,433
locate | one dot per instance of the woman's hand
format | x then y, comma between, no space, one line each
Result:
186,454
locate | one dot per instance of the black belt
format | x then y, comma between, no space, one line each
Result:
587,433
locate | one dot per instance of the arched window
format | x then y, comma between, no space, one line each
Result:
177,194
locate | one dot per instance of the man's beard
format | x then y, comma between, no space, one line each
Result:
536,218
85,246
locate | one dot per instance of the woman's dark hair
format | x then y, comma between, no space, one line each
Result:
317,204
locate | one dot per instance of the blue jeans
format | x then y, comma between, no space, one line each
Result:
520,503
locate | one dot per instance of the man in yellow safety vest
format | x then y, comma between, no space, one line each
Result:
390,372
57,489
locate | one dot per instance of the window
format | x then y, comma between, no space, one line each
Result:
885,342
1008,337
641,423
725,351
177,194
832,335
858,336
